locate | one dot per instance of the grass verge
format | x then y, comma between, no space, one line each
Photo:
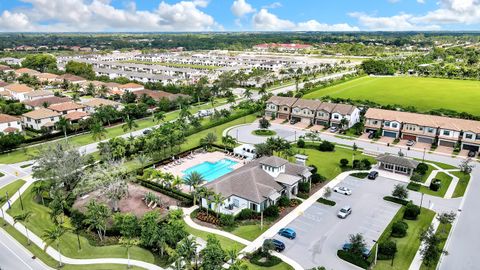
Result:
463,180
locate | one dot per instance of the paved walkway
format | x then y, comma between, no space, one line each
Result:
417,260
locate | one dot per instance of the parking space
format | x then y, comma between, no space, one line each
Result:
317,128
463,153
444,149
301,125
364,136
320,233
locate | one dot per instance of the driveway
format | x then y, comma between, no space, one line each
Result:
320,233
444,150
244,134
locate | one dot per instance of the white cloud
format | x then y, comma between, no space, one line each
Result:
100,15
241,7
421,1
400,22
273,5
264,20
454,12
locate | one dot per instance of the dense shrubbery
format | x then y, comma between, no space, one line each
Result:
185,199
353,258
386,250
283,201
264,259
326,146
300,143
411,211
395,200
209,218
414,186
246,214
272,211
304,187
399,229
343,162
326,201
227,220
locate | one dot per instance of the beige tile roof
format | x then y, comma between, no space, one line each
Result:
18,88
71,78
39,93
47,76
130,85
307,104
41,113
156,95
66,106
277,100
5,118
424,120
112,84
48,100
72,116
27,70
97,102
343,109
327,106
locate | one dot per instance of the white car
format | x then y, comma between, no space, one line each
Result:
344,212
343,190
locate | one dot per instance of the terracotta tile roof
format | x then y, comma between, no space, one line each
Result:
2,84
5,118
112,84
66,106
47,76
97,102
39,93
18,88
26,70
4,68
277,100
5,94
156,95
10,129
307,103
72,116
49,101
41,113
71,78
130,85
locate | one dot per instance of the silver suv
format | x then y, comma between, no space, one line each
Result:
344,212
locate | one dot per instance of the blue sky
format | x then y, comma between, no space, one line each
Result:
238,15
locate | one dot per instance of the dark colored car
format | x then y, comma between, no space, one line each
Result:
348,246
293,121
373,175
288,233
147,131
279,245
371,135
472,153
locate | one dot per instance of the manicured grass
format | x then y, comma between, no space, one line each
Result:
407,246
442,231
11,189
445,183
264,132
328,163
280,266
423,93
439,164
463,180
226,243
427,173
40,221
250,231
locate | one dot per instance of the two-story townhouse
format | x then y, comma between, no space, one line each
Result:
93,104
67,107
280,107
470,139
70,78
18,91
37,94
303,110
44,102
323,114
449,133
10,123
47,77
132,87
19,72
387,121
40,119
344,111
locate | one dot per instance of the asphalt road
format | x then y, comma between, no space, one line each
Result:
13,256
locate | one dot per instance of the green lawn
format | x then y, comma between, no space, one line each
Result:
427,173
250,231
446,180
280,266
40,221
11,188
328,163
226,243
408,245
442,231
463,180
25,154
423,93
440,164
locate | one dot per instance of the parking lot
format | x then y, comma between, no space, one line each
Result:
320,233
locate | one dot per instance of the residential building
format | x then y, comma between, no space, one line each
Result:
44,102
132,87
397,164
72,79
344,111
47,77
19,72
38,94
18,91
40,119
92,104
257,185
304,110
324,113
67,107
280,107
10,123
5,69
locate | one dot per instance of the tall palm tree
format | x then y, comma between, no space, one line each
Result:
39,188
217,199
187,248
208,140
91,90
232,255
102,92
53,235
228,140
142,159
98,131
129,125
159,117
24,217
128,243
193,179
64,125
247,94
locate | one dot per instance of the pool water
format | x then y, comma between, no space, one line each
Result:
211,171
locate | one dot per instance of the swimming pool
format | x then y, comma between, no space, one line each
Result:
211,171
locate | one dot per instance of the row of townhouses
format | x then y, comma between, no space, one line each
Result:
431,129
312,112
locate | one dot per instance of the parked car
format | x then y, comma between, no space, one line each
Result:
372,175
333,129
288,233
147,131
344,212
293,121
343,190
279,245
203,113
365,251
371,134
411,143
472,153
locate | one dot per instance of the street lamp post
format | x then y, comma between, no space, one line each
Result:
376,252
423,158
421,202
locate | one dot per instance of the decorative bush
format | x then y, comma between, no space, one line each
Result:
422,168
283,201
416,176
264,259
272,211
359,175
399,229
326,146
326,201
300,143
387,249
304,187
354,259
302,195
317,178
414,186
395,200
202,216
314,169
435,184
411,211
365,164
246,214
294,202
227,220
356,164
343,162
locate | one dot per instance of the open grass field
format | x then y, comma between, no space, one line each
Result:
250,231
423,93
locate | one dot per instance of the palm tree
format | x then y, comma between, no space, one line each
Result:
228,140
102,91
184,113
142,159
53,236
91,89
24,217
98,131
187,248
128,243
130,125
159,116
247,94
232,255
75,97
217,199
193,179
64,125
210,139
176,182
39,188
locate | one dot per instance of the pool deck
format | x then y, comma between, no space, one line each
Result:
197,159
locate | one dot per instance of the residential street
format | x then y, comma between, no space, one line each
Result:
15,257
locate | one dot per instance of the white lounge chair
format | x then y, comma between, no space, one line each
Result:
154,205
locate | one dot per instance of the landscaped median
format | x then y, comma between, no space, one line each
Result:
438,187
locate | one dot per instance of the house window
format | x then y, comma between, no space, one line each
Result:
236,203
394,125
387,123
430,130
420,128
446,132
375,122
469,136
285,109
336,117
253,207
51,119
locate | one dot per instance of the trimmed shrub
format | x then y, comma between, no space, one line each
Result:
354,259
283,201
435,185
414,186
246,214
411,211
264,260
422,168
326,201
314,169
386,250
359,175
326,146
365,164
343,162
399,229
304,187
317,178
272,211
227,220
302,195
185,199
300,143
395,200
356,164
416,176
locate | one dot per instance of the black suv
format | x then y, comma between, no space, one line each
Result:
373,175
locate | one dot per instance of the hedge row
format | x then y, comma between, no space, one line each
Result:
185,199
326,201
353,259
395,200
